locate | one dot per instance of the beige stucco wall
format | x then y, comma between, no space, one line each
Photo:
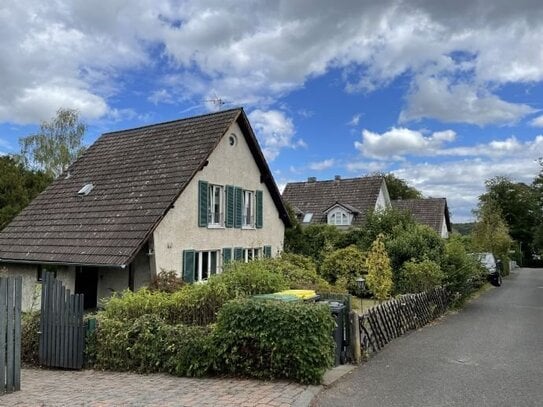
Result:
31,287
179,230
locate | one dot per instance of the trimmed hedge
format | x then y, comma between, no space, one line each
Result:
269,339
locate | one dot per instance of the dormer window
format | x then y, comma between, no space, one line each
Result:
307,218
339,217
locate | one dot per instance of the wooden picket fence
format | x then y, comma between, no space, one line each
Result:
10,334
62,330
391,319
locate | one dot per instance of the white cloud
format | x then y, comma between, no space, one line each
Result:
461,103
322,165
160,96
398,142
354,120
537,122
256,52
275,131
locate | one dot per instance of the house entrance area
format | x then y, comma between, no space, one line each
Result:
86,282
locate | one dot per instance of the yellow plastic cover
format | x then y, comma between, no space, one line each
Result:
303,294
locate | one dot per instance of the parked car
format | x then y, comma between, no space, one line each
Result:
494,267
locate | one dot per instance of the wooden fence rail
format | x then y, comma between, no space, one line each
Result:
391,319
10,334
62,330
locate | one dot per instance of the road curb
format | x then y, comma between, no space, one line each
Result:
330,377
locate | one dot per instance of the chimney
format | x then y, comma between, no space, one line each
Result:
312,179
337,178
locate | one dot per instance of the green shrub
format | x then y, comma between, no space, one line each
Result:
462,273
416,242
268,339
420,276
30,338
148,344
315,241
128,305
166,281
300,272
379,278
347,263
255,277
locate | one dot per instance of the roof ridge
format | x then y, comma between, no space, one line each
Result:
174,121
334,180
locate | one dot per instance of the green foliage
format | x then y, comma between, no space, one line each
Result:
147,344
57,144
166,281
346,264
490,233
300,272
379,278
30,338
269,339
462,273
198,304
420,276
416,242
387,223
18,187
294,240
463,228
399,189
316,241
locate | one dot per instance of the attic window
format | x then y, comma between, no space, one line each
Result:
85,190
232,140
307,218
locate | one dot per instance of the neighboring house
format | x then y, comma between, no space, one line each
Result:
187,195
340,202
432,212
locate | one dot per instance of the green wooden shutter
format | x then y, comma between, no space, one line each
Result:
238,253
226,255
202,203
267,251
238,205
259,213
229,221
189,257
213,261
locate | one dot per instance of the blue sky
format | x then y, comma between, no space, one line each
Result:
443,94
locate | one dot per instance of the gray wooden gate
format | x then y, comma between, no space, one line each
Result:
10,334
62,329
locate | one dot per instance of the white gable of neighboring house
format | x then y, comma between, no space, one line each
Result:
383,200
339,215
444,230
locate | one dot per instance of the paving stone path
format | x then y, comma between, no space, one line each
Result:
100,389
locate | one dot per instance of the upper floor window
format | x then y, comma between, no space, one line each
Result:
215,205
339,217
248,209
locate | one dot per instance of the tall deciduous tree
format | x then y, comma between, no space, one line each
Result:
399,189
491,233
56,145
18,186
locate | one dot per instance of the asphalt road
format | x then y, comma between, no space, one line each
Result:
488,354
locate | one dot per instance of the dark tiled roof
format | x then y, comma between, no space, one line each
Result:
137,175
428,211
318,196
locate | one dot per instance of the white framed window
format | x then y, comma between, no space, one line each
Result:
252,254
206,264
248,209
215,207
339,217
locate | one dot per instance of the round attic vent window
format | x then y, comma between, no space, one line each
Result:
232,140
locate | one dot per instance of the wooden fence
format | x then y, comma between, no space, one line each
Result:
10,334
62,338
391,319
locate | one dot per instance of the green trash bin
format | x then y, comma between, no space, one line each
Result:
277,297
338,309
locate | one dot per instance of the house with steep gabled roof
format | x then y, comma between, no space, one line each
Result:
187,195
340,202
432,212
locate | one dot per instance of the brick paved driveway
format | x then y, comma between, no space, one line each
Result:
92,388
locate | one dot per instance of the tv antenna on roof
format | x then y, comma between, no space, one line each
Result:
217,101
